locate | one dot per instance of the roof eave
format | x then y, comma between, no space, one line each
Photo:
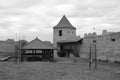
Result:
63,27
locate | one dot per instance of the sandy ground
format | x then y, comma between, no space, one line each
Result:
65,69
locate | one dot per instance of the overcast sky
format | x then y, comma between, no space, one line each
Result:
36,18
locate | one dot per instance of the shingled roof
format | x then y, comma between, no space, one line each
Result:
37,44
64,23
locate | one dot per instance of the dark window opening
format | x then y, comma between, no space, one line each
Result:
113,39
61,47
60,32
94,41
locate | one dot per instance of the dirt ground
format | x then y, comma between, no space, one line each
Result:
63,69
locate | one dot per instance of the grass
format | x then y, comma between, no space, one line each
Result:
63,69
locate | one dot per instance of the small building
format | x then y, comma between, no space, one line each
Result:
37,50
65,39
63,31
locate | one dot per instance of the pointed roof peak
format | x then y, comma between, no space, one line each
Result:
64,18
36,38
64,15
64,23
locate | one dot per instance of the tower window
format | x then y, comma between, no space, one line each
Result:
60,32
113,39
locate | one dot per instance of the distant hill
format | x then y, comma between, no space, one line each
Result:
7,48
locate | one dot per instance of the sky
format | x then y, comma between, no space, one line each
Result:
27,19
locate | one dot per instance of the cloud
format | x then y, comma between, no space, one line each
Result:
33,18
94,8
13,4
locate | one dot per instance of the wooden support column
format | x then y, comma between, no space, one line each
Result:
95,57
42,54
21,56
32,54
67,53
51,54
35,52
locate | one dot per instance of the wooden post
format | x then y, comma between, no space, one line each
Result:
35,51
52,55
21,56
42,54
95,57
90,58
16,54
32,55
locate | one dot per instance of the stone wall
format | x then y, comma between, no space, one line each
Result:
107,46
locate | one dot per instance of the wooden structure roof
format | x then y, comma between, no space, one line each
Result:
64,23
37,44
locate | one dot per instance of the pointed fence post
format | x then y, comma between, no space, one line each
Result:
90,57
95,57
